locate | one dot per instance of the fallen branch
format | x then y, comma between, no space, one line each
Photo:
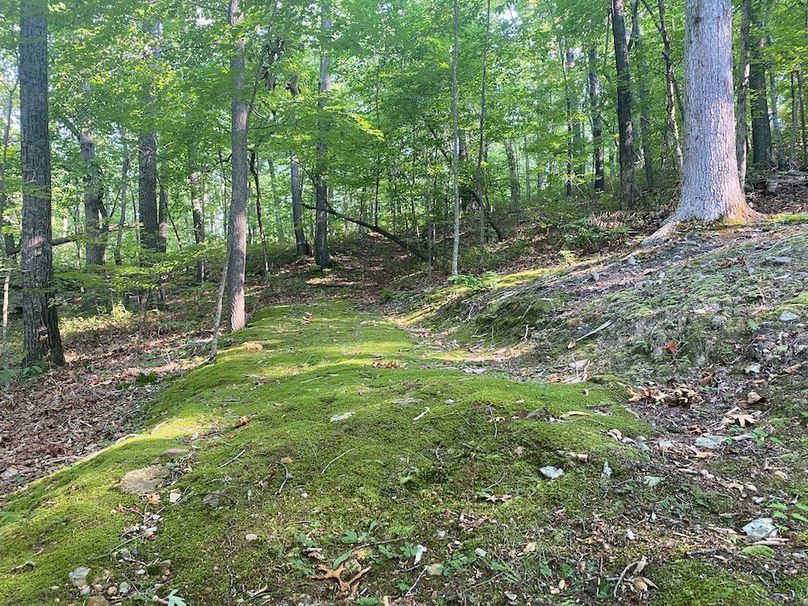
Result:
382,232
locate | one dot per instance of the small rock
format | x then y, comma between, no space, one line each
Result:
78,577
789,316
112,590
174,496
652,481
251,538
782,260
665,444
435,570
212,499
540,413
123,588
752,369
343,417
144,481
709,442
480,552
551,472
420,550
407,401
124,554
607,470
97,600
760,529
9,474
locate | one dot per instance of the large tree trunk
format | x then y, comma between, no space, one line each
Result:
627,157
711,189
741,120
644,96
147,190
321,254
597,121
41,338
761,127
198,219
95,248
455,140
237,231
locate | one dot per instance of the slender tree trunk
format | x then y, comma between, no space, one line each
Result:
597,121
276,203
528,185
671,88
198,219
711,190
321,254
147,191
627,157
118,254
258,210
795,132
644,96
237,229
802,118
780,158
41,338
478,172
566,64
93,193
513,177
455,139
7,238
741,121
4,353
761,127
162,218
301,244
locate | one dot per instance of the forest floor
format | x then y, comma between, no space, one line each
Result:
380,437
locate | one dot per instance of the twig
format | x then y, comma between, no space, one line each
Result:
622,575
234,459
286,477
410,590
422,415
335,459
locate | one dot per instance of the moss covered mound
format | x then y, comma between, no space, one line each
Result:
324,439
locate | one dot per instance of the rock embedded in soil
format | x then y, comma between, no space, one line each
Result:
78,576
342,417
789,316
760,529
709,442
552,472
144,481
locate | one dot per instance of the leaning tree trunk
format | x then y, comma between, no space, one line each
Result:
41,337
237,232
624,101
321,255
597,121
711,190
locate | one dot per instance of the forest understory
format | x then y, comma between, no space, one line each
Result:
566,427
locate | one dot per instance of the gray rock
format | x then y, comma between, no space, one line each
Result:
78,577
407,401
709,442
760,529
343,417
782,260
652,481
435,570
607,470
212,499
789,316
540,414
551,472
144,481
9,474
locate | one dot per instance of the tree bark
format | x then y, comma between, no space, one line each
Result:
741,121
513,177
7,238
95,248
41,338
802,118
147,190
321,254
455,139
711,190
761,127
597,121
259,213
118,254
162,218
478,172
627,157
644,96
198,219
237,231
779,152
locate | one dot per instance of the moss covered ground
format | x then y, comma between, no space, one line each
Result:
429,488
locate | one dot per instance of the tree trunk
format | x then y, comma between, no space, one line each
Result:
741,123
478,172
802,118
795,132
711,189
671,88
41,338
301,244
528,185
597,121
566,64
93,193
455,139
321,254
124,192
237,230
147,191
7,238
780,158
198,219
644,96
259,212
162,219
761,127
513,177
627,157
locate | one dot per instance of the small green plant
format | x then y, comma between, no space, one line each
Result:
483,283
